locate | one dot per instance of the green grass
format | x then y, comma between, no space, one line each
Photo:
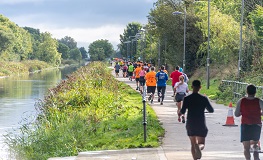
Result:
86,113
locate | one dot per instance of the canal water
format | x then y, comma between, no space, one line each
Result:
18,95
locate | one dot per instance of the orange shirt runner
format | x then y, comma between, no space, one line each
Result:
150,78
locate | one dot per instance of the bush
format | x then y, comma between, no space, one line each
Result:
90,110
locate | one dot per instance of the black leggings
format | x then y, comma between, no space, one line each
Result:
161,89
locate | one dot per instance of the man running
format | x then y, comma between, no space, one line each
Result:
251,109
130,71
117,68
175,77
162,78
151,84
196,127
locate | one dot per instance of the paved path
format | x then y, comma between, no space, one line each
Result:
222,143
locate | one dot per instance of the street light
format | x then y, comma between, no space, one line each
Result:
178,13
208,47
127,42
240,47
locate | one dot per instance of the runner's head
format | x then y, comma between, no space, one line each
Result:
196,85
181,78
162,67
177,68
152,68
251,90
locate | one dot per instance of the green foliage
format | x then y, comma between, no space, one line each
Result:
99,50
68,41
47,50
19,68
15,41
90,110
75,54
64,50
83,52
129,49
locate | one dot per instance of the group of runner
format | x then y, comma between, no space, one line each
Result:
144,74
249,107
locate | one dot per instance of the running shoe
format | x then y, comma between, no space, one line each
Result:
162,103
150,97
151,101
198,153
183,119
137,88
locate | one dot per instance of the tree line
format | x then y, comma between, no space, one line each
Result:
25,43
164,39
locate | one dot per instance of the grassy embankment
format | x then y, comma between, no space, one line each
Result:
90,110
24,67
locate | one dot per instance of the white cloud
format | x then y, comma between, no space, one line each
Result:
85,36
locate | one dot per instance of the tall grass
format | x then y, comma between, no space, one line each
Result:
89,111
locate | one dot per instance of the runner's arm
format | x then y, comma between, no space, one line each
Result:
261,106
209,107
237,111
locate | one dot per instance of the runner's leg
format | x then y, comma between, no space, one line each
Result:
246,145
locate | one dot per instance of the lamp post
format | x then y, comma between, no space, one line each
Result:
178,13
208,48
127,42
240,47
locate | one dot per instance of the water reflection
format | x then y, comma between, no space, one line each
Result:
19,94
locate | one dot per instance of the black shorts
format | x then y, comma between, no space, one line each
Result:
130,74
137,79
151,89
179,97
196,131
142,81
117,71
250,132
124,70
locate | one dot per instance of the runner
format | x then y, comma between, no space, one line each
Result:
251,109
175,77
117,69
124,70
151,84
196,123
162,78
180,88
142,74
130,71
186,79
137,76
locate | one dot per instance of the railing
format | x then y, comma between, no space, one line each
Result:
239,88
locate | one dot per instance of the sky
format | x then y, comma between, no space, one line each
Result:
84,20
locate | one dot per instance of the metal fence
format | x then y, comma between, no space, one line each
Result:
239,88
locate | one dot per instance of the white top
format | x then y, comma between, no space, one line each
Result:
181,87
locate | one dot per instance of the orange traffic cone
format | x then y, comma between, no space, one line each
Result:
230,116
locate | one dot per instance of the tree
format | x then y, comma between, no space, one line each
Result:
83,52
75,54
15,41
68,41
48,50
99,50
64,50
131,30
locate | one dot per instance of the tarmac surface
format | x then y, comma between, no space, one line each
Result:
222,142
